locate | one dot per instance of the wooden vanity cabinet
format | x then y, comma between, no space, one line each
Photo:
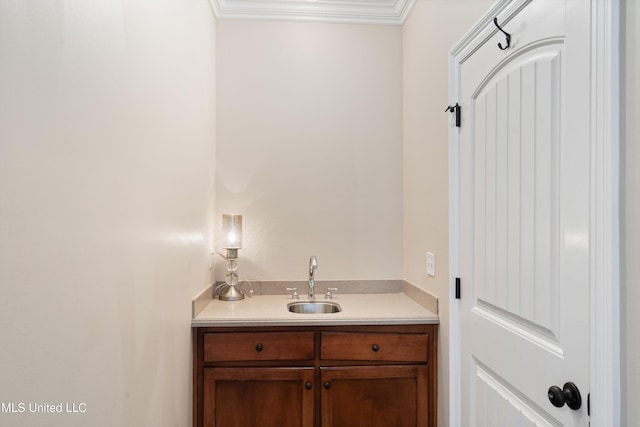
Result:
374,396
312,376
266,397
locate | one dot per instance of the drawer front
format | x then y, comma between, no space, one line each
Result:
374,347
228,347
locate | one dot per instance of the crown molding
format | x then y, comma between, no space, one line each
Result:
382,12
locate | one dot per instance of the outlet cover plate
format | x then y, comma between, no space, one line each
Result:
431,264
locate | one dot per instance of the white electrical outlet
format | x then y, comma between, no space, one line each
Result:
431,264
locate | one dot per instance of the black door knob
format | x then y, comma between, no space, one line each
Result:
568,394
259,347
327,385
375,347
308,386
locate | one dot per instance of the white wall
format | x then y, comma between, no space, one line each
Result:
630,159
107,143
432,29
309,147
107,138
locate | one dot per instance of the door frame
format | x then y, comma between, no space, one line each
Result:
604,286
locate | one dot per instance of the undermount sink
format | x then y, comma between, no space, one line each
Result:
314,307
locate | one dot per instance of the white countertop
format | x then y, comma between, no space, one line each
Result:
357,309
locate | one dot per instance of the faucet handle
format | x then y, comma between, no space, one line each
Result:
295,293
328,295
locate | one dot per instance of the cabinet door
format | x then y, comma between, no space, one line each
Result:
258,397
374,396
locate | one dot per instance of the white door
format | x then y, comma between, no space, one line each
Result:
524,203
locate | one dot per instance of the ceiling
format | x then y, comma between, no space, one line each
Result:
387,12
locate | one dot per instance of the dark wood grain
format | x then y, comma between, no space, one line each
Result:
235,384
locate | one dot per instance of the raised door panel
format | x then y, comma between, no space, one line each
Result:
374,396
258,397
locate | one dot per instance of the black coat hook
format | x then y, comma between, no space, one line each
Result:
507,35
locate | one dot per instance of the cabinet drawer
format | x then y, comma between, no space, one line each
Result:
374,347
221,347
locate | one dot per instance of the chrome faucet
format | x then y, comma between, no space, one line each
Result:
313,265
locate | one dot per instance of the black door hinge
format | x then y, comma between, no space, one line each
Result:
455,109
457,288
